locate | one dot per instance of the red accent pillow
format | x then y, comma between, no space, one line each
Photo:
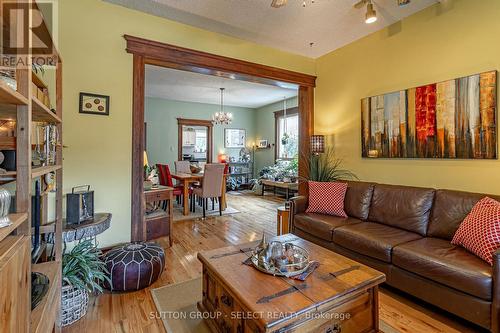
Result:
480,230
327,198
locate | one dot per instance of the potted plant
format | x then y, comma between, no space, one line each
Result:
83,271
327,167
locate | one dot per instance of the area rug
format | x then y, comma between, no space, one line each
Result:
176,307
178,216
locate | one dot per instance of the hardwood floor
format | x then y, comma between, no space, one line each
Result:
132,312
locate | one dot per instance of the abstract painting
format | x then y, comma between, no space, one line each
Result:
453,119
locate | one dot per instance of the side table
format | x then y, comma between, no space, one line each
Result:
283,221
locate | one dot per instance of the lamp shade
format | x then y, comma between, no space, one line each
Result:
317,144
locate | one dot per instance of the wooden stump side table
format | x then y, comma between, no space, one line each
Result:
283,221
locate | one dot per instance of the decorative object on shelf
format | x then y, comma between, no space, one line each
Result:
234,138
245,155
79,204
134,266
5,200
39,288
9,160
454,119
8,75
82,272
280,259
222,117
50,181
262,144
2,158
317,144
94,104
51,139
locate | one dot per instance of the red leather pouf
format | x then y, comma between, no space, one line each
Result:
134,266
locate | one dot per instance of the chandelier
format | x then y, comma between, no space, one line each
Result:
222,117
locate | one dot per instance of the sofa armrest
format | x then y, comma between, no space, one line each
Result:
298,204
495,304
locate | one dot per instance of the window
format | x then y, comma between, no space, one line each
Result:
287,140
201,141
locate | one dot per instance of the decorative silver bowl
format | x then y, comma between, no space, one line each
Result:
281,259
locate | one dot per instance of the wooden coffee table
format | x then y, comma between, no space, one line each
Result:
341,295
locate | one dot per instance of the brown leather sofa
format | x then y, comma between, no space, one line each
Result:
406,233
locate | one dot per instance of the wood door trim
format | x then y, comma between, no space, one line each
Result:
147,52
200,62
195,122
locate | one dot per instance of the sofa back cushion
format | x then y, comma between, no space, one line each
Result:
450,209
403,207
358,199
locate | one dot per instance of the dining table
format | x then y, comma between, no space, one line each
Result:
186,179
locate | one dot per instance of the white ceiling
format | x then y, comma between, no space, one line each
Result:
192,87
329,24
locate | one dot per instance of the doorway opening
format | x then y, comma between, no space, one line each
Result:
147,52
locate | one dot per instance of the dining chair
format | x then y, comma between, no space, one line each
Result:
211,186
166,180
182,166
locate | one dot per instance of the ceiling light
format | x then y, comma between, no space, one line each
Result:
403,2
222,117
371,14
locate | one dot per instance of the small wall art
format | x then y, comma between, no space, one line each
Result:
94,104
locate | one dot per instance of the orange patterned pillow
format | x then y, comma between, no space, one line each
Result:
327,198
480,231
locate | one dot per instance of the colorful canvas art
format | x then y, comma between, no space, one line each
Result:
452,119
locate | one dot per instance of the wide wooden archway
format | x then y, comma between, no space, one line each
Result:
147,52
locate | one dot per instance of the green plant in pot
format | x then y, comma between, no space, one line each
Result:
326,167
83,271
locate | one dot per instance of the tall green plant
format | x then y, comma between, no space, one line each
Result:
82,267
327,167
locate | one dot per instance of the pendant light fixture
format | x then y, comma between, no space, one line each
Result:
222,117
285,137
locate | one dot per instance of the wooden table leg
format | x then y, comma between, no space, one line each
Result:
223,197
285,217
171,217
278,223
186,197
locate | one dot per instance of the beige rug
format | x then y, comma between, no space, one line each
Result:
176,305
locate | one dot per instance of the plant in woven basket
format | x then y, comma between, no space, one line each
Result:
82,267
82,272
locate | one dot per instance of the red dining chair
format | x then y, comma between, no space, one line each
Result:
166,180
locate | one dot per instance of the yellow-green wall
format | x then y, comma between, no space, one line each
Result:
436,44
94,57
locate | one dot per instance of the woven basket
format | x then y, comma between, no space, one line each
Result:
74,304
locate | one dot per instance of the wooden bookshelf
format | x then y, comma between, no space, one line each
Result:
44,315
16,219
24,108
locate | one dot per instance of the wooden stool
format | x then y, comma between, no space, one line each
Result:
283,221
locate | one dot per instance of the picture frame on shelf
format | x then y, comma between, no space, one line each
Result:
235,138
262,144
94,104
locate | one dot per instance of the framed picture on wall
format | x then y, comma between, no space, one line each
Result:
235,138
94,104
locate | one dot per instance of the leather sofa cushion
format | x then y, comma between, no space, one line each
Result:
449,210
372,239
358,198
321,225
403,207
442,262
